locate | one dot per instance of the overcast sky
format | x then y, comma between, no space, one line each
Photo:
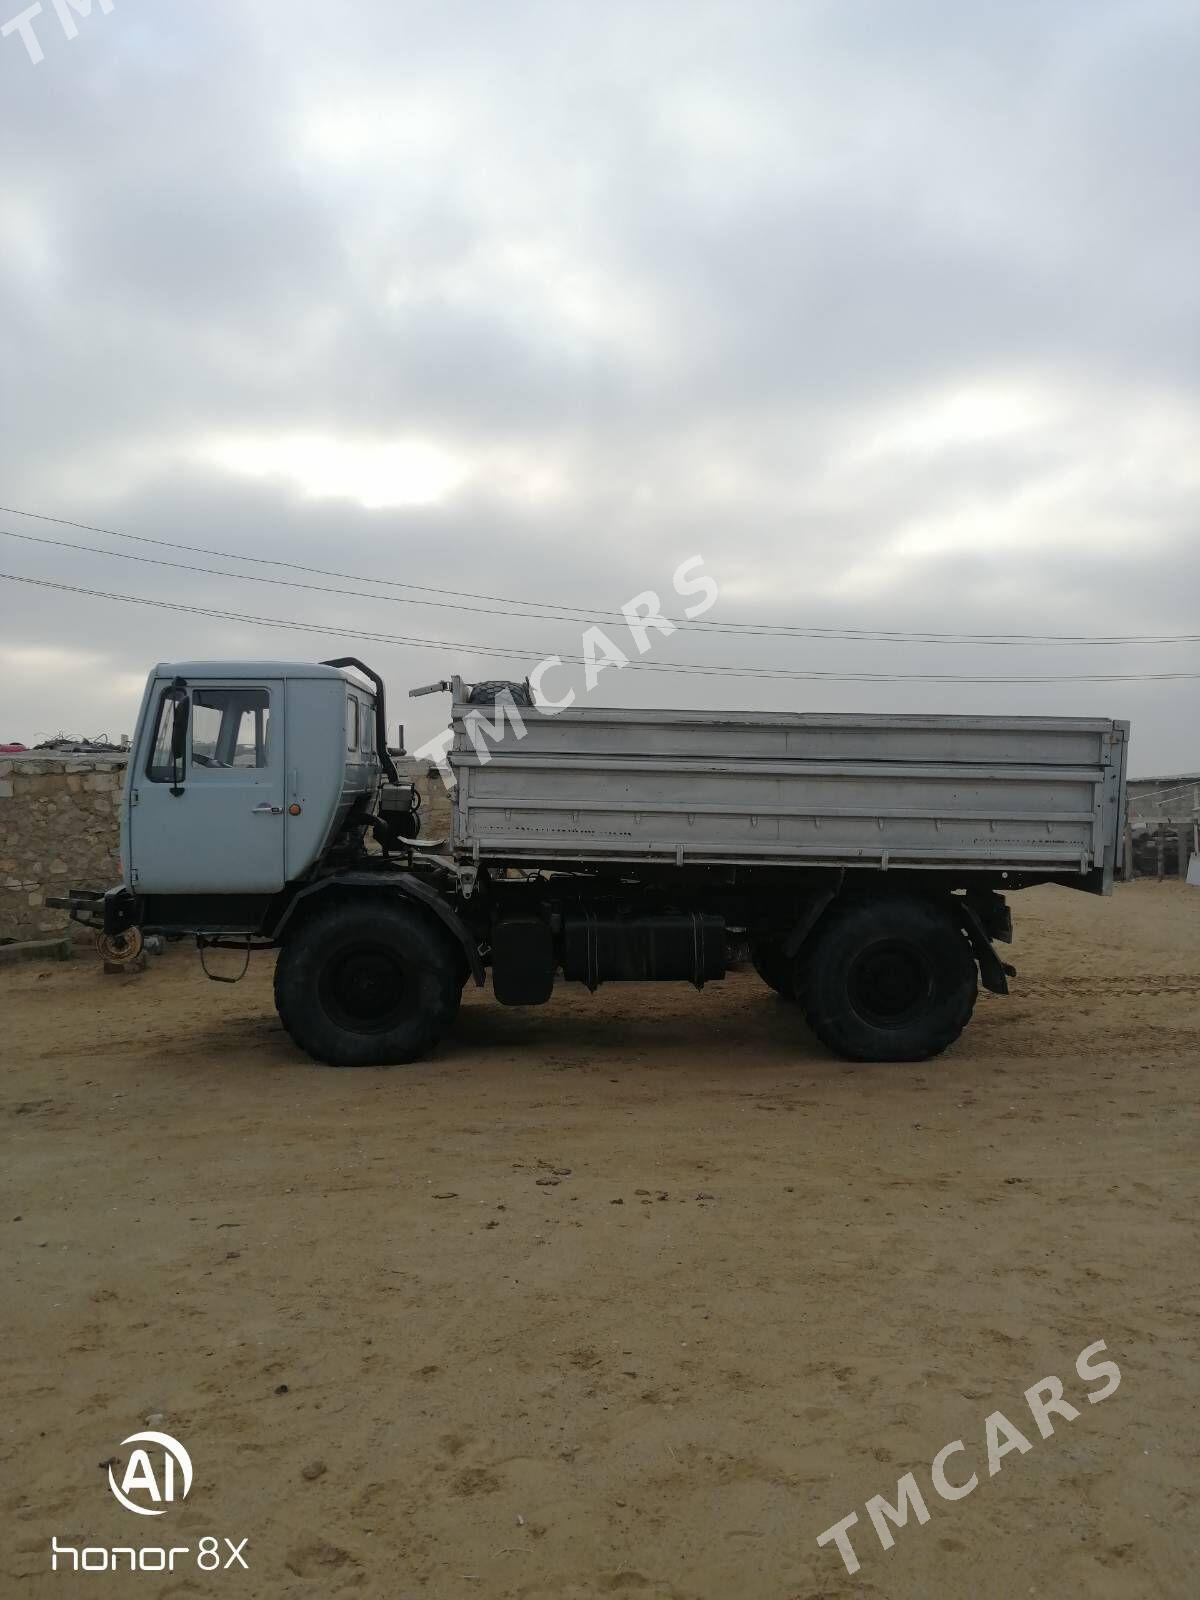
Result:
888,310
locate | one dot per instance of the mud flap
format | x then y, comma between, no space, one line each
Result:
993,973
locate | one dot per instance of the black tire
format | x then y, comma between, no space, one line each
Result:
774,968
487,693
888,980
366,985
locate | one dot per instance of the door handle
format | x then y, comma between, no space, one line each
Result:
268,810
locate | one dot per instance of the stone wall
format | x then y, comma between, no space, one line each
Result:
58,830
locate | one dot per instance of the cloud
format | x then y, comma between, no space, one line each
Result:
888,311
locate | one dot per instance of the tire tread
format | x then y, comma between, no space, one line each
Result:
297,999
853,922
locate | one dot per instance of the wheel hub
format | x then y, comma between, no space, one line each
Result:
890,983
364,989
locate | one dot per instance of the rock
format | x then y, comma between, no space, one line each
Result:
125,969
313,1470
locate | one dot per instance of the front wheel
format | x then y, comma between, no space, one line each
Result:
888,980
364,985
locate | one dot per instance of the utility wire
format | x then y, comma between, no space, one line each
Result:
525,654
553,612
1167,790
532,616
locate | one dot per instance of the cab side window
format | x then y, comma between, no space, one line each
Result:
230,729
158,767
351,723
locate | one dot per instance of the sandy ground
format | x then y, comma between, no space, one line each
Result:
631,1295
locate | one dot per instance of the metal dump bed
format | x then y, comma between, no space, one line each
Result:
592,784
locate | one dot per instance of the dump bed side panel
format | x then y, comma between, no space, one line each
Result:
591,784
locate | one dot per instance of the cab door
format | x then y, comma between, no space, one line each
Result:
210,819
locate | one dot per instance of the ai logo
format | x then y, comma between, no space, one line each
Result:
141,1478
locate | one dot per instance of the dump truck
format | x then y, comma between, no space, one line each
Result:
861,863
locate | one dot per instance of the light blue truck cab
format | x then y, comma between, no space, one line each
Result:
277,756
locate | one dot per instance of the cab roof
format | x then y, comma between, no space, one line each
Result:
254,669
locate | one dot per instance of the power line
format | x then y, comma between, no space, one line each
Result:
1167,789
446,605
552,611
521,654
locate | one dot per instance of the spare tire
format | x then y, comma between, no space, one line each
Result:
486,694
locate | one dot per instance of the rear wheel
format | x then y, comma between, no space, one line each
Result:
888,980
362,985
775,969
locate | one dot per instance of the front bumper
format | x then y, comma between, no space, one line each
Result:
111,911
